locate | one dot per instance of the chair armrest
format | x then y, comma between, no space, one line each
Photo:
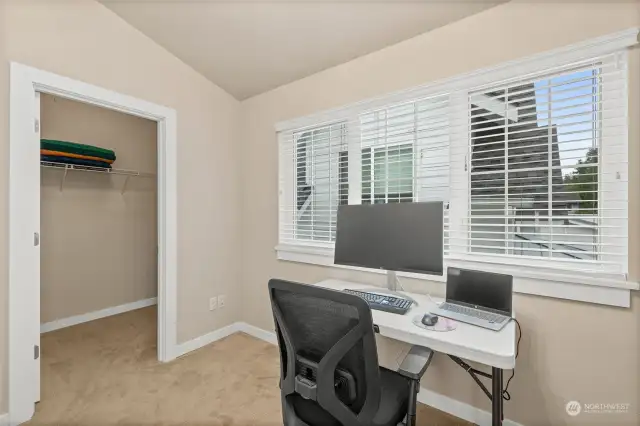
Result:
416,362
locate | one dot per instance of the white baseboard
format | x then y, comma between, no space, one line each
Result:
205,339
102,313
4,419
459,409
221,333
267,336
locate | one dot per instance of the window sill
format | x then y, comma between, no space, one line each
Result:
604,290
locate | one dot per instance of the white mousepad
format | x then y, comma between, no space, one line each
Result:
443,324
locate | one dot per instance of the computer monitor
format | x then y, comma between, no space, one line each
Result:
395,237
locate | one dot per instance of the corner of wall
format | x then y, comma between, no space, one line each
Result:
4,146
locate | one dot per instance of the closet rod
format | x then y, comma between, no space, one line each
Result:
67,167
122,172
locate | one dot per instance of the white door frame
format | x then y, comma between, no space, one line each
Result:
24,161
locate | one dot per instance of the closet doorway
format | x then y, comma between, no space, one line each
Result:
32,90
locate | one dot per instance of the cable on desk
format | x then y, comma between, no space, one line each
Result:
433,301
428,295
399,283
505,393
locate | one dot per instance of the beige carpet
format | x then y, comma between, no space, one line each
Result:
106,372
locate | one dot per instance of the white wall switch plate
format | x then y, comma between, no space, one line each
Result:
213,303
221,300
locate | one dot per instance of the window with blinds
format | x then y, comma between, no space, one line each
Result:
387,174
405,152
532,170
314,181
396,154
546,168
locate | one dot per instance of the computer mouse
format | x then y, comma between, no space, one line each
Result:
429,319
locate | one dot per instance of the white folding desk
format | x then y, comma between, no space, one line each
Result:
491,348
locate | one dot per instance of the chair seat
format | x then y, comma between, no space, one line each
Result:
393,404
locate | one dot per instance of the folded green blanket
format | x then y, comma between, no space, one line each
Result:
77,148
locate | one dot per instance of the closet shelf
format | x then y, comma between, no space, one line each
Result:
75,167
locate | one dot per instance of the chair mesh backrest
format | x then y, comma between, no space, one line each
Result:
314,320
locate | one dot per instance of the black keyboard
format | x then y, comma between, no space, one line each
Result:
381,302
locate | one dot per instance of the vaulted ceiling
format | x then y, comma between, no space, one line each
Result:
250,47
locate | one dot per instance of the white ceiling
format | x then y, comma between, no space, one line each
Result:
250,47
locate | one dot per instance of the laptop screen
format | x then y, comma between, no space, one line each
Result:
480,289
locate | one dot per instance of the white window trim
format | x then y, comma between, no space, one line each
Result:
600,289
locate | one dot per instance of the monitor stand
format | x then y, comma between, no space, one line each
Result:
392,288
392,281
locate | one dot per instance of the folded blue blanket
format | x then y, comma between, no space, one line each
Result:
75,161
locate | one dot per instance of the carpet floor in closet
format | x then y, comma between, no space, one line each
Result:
106,372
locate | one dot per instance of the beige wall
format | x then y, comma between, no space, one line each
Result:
85,41
98,245
569,350
4,225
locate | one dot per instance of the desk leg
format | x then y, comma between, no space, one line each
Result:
496,397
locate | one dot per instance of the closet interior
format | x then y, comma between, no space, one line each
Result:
98,212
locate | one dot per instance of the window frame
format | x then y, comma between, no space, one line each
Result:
463,209
292,188
609,289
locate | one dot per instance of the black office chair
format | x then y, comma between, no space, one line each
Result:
329,362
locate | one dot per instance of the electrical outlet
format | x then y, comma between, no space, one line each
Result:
221,300
213,303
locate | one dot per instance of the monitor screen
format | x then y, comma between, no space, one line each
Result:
480,289
396,237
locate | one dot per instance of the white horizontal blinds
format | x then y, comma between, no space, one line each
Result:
314,181
547,168
405,152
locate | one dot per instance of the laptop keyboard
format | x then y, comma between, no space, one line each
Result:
463,310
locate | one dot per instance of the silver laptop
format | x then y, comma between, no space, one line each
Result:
479,298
